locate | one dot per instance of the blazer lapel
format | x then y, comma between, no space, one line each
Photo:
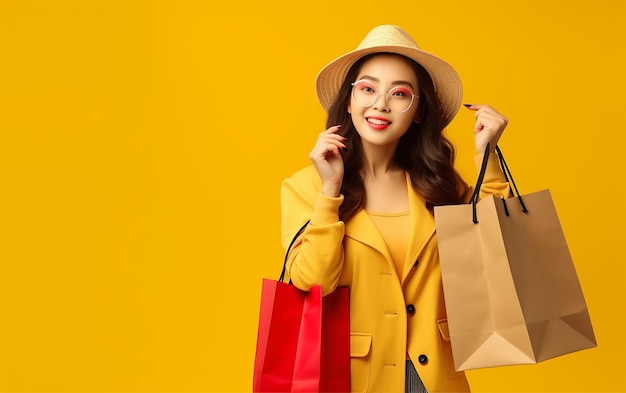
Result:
362,229
422,228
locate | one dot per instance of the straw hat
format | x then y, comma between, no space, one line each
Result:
392,39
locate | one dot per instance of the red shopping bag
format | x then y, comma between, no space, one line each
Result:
303,341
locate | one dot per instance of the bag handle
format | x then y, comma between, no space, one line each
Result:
479,183
282,274
507,176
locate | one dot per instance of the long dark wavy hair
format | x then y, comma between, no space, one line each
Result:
423,151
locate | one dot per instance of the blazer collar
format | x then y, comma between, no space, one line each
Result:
362,229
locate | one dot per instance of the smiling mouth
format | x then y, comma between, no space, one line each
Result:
378,122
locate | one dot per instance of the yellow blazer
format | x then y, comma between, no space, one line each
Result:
390,316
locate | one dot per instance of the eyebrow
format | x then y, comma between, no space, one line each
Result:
399,82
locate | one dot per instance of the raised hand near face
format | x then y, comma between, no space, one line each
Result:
326,158
488,127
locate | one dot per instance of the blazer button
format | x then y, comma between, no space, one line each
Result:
423,359
410,309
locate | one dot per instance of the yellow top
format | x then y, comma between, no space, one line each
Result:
395,228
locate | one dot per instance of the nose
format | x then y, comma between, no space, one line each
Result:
381,103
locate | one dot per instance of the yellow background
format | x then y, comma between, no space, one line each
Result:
142,146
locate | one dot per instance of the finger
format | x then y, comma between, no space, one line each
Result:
332,130
486,124
330,134
478,109
481,108
335,139
487,110
322,150
492,120
478,127
481,121
339,142
475,107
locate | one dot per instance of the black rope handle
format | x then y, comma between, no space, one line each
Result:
479,183
282,274
507,176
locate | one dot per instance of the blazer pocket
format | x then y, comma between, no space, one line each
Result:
360,362
446,349
442,324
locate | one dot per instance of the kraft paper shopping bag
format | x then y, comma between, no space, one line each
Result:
511,289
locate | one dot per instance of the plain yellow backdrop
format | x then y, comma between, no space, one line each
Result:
142,146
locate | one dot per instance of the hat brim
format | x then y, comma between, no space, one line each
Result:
446,80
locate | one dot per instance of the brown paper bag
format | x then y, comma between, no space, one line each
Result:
511,290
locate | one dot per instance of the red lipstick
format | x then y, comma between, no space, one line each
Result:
377,122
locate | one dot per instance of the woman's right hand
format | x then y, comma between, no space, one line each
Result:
326,158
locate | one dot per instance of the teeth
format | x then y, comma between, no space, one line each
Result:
377,121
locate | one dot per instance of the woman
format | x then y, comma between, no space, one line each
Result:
376,173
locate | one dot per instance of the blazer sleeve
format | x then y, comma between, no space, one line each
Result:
494,182
316,258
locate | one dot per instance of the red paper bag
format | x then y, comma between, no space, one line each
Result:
303,342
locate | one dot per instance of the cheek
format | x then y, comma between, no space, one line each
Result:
406,121
416,115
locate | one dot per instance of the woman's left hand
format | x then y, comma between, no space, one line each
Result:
488,128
